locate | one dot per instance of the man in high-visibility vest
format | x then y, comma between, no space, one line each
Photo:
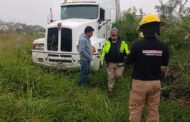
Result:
147,55
113,53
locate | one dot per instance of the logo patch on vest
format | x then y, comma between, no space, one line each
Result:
152,52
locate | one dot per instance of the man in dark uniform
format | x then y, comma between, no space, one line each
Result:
147,55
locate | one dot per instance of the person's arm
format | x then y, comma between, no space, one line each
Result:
104,51
165,57
131,57
82,50
126,49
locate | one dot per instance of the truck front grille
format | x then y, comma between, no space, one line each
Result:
66,39
52,39
57,55
67,56
53,55
60,61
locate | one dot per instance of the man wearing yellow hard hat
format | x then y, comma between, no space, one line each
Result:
147,57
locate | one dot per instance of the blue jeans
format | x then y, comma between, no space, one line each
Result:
84,71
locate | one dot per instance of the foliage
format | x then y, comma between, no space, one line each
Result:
19,27
127,26
31,93
172,9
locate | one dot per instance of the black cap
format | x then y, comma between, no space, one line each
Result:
88,29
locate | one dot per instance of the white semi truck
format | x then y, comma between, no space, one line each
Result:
59,47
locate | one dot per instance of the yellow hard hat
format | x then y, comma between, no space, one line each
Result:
149,19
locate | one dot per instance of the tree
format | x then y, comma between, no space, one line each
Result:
172,8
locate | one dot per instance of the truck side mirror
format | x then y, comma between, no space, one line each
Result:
102,15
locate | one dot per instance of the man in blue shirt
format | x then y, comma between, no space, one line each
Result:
85,51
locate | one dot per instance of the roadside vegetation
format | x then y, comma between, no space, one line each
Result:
30,93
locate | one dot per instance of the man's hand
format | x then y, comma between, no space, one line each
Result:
103,63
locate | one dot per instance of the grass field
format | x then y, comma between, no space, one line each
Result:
29,93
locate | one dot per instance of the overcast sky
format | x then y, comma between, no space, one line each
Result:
36,11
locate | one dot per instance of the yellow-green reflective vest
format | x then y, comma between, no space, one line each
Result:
107,45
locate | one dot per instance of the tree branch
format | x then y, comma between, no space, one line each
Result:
184,3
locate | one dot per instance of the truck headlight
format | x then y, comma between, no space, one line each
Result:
37,46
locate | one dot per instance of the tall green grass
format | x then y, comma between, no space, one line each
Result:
30,93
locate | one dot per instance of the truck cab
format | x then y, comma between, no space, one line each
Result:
59,48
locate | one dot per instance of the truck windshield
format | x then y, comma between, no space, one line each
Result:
79,11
